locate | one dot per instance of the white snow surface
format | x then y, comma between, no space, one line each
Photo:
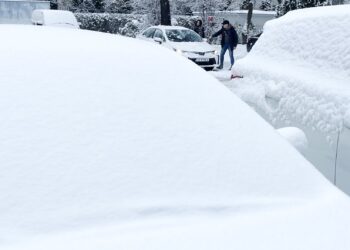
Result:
114,143
302,63
295,136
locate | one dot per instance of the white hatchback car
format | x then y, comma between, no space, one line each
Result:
185,42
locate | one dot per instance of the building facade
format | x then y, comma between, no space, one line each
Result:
19,11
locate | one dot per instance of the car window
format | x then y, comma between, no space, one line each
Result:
149,33
182,35
159,34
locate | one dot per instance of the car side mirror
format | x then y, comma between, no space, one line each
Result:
158,40
296,137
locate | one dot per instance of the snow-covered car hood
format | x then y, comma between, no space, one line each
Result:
97,152
193,46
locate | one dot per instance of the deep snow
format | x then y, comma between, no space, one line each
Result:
99,154
297,75
301,62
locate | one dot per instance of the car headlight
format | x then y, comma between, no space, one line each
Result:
216,52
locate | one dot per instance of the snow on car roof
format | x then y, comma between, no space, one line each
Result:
104,133
54,17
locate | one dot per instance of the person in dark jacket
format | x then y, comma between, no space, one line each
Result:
199,29
229,41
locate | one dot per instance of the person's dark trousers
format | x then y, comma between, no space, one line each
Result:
222,55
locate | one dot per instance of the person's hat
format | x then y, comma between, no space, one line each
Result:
225,22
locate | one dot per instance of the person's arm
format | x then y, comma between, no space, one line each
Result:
217,33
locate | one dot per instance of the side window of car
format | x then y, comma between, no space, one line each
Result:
159,34
149,33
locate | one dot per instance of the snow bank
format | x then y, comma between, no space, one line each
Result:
105,141
299,70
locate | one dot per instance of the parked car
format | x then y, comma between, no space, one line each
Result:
251,41
57,18
185,42
298,74
102,150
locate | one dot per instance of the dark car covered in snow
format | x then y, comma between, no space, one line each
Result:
252,40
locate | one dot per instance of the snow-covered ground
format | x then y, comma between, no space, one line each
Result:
224,75
298,73
99,154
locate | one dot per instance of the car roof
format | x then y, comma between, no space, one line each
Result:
54,17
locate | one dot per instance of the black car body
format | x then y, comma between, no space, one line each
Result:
251,41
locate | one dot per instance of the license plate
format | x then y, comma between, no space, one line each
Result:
202,60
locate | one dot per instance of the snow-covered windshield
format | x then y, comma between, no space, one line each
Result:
182,35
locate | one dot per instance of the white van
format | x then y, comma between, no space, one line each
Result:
58,18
